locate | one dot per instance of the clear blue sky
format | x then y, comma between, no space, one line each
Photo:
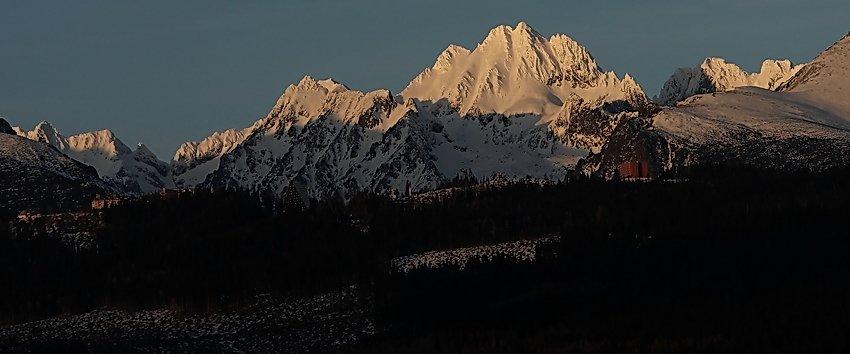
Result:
166,72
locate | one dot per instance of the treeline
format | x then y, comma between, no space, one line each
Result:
193,252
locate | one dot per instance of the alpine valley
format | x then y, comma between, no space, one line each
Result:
519,104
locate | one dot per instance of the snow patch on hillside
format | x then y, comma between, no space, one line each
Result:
522,251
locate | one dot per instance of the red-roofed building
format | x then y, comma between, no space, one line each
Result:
634,170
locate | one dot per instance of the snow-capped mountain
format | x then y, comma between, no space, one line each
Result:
36,176
518,71
805,125
519,104
717,75
129,171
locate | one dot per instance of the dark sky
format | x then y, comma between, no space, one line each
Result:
166,72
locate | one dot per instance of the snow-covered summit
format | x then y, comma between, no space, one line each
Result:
516,70
718,75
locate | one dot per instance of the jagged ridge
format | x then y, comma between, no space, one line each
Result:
717,75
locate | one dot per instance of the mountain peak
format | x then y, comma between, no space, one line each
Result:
515,70
142,152
505,37
307,82
101,141
46,133
325,86
44,127
448,56
332,85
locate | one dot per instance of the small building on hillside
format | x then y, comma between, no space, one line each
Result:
634,171
296,197
102,203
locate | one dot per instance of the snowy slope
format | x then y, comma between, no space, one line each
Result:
825,82
757,126
717,75
131,171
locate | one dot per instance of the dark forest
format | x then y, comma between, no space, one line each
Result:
729,259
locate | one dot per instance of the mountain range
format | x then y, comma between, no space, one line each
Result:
803,124
519,104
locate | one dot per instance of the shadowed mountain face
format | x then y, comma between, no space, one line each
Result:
5,128
36,176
